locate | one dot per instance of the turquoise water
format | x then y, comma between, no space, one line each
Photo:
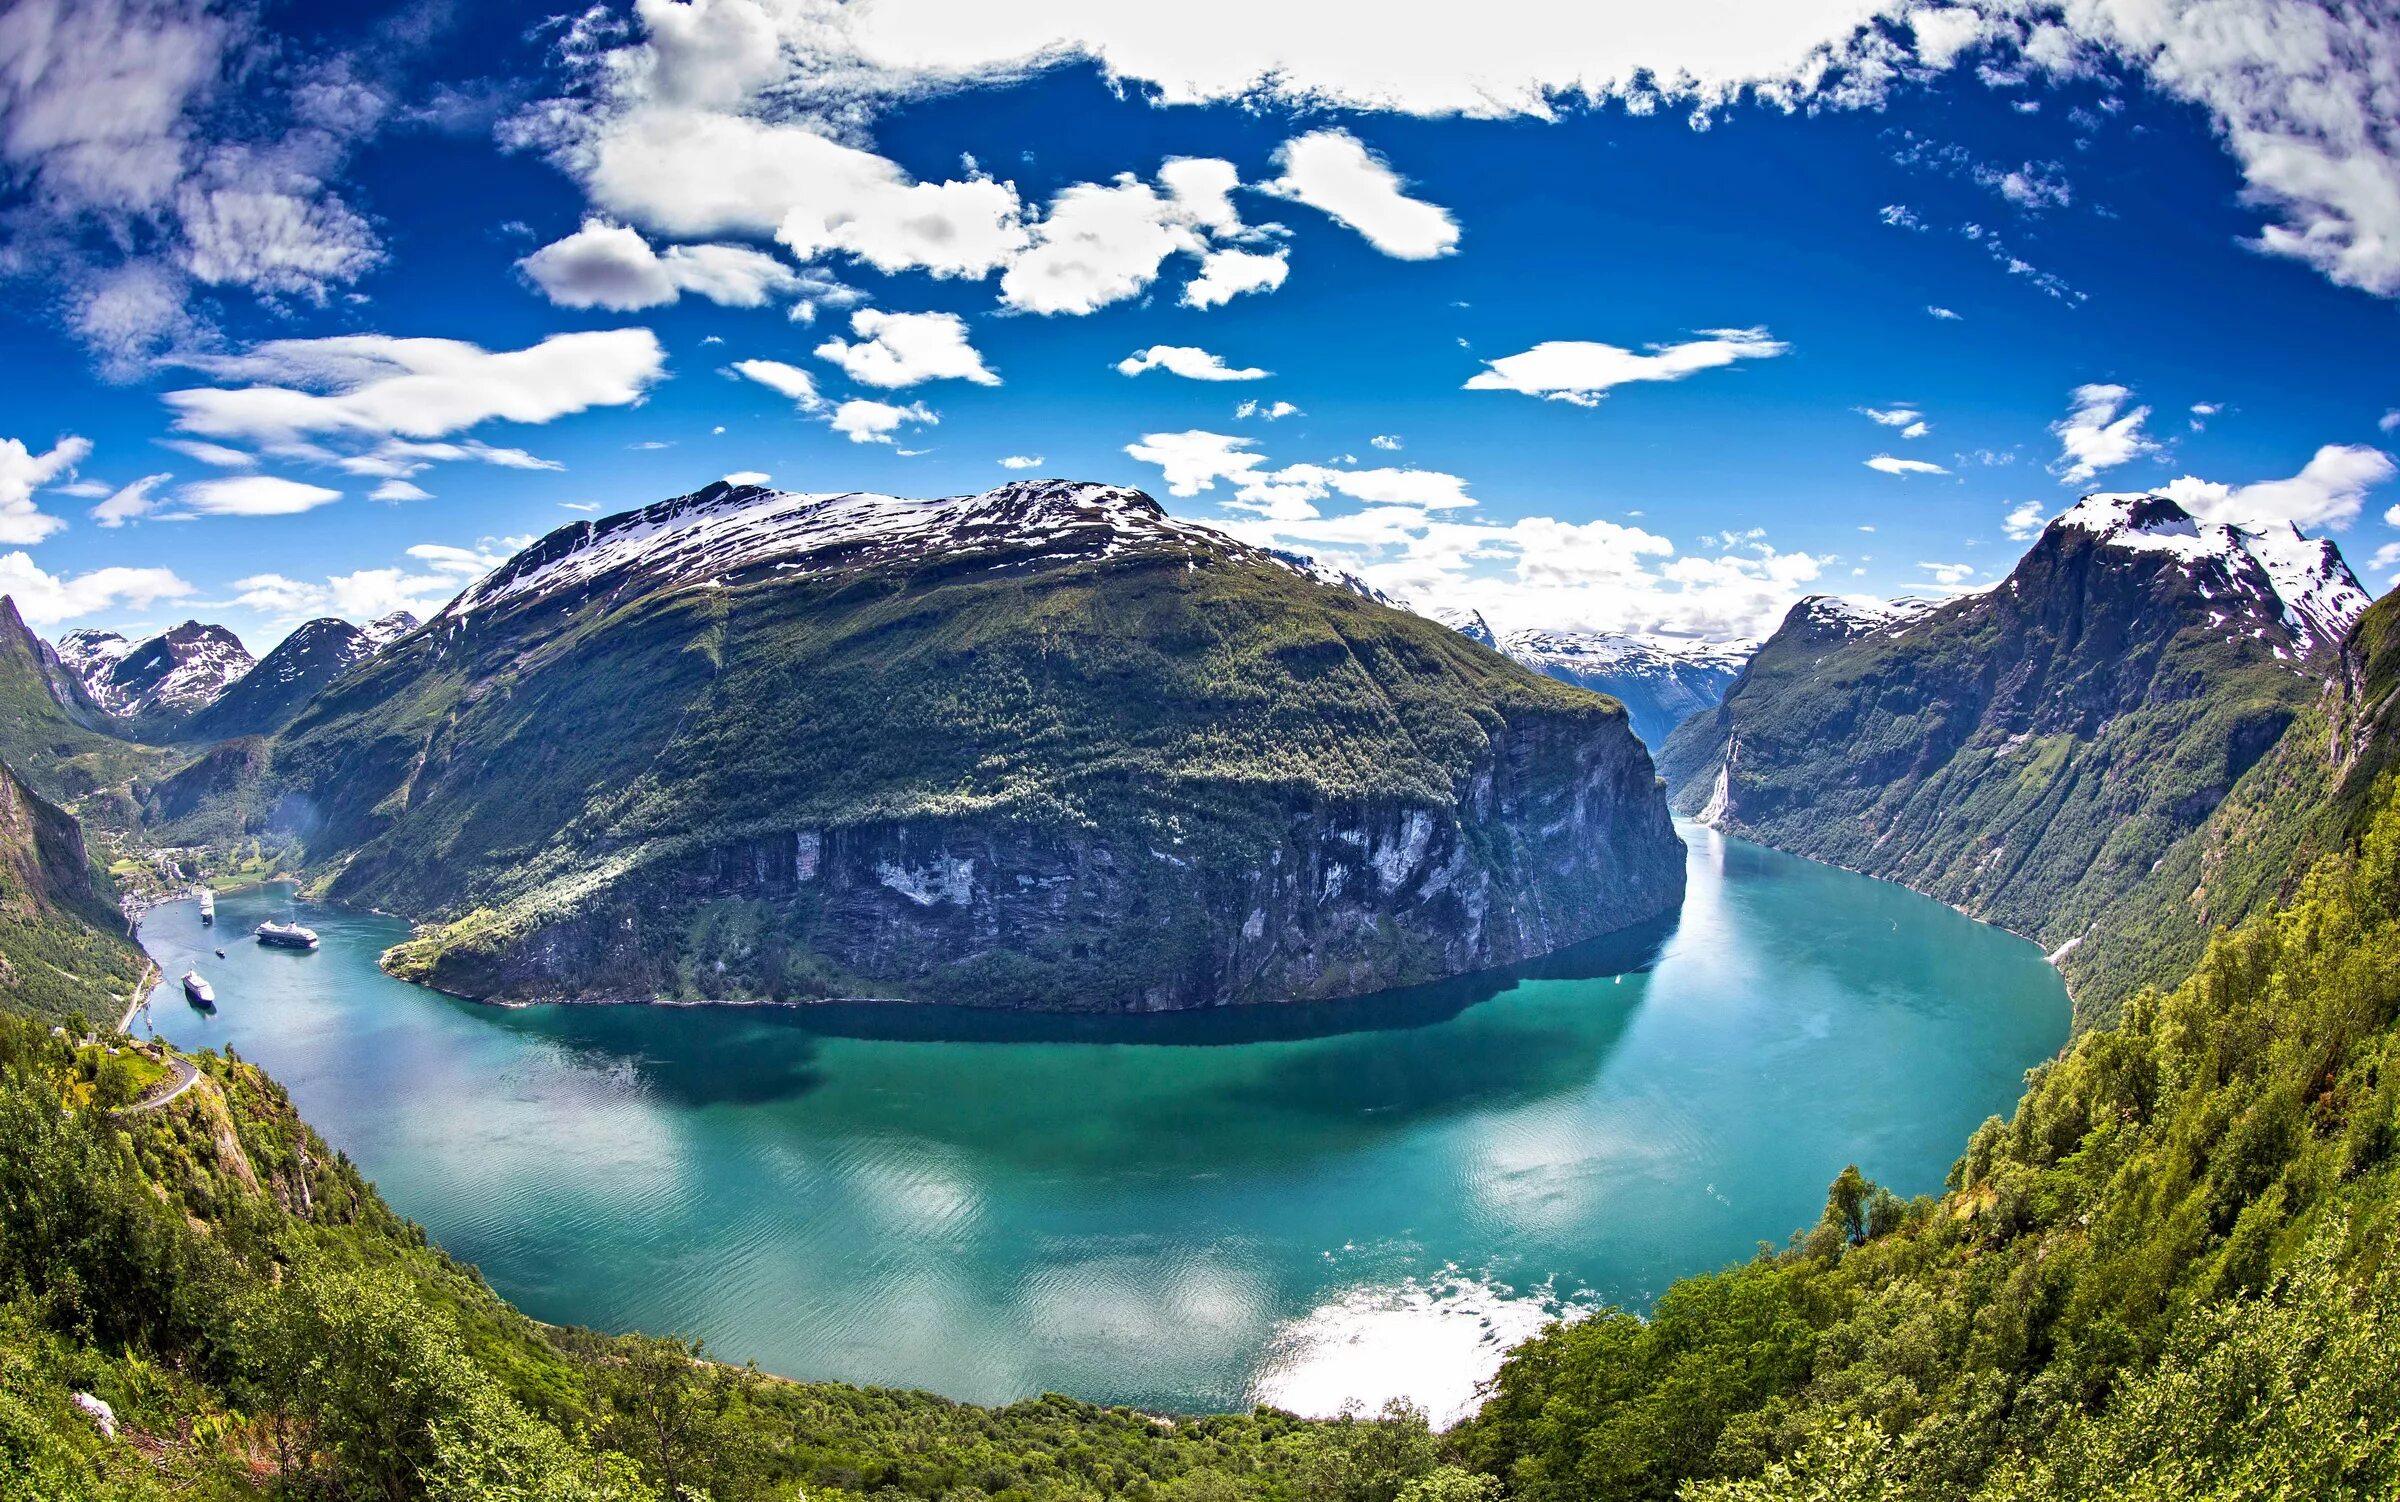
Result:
1306,1205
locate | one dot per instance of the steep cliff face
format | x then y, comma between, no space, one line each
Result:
2035,752
1537,853
1043,747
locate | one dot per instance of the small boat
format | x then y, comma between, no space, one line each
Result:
220,954
286,936
197,990
208,905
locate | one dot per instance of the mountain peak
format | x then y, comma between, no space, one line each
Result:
2303,580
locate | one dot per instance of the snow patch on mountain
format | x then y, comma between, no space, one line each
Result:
2303,580
727,529
179,671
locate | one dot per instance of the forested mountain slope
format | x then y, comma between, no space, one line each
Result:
63,946
1040,747
2031,753
50,732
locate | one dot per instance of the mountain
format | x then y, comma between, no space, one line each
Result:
1044,746
265,698
1469,623
63,945
163,679
1660,680
59,741
2030,753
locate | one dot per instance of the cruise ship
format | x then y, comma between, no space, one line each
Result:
287,936
208,904
198,991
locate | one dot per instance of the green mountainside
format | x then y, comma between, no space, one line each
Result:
63,946
2174,1272
1045,747
2035,753
51,732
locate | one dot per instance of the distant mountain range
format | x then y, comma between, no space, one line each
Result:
1044,746
2034,752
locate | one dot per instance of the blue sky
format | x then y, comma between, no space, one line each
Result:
1557,339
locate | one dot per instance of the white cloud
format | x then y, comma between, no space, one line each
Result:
130,502
905,349
1892,466
1332,171
46,599
875,422
1228,273
2389,422
1890,417
2097,434
1268,411
2299,90
1384,441
209,453
158,145
603,265
1582,372
399,490
1102,243
434,574
380,386
1412,534
1901,216
1516,57
1188,361
399,458
692,168
787,380
748,477
1022,461
2328,492
2025,522
1942,313
252,495
22,472
1916,430
1194,461
1949,575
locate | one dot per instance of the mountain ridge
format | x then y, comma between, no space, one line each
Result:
952,748
2031,752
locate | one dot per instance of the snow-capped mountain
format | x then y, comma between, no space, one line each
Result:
2303,581
1659,679
2033,751
728,529
175,673
1467,622
316,653
391,628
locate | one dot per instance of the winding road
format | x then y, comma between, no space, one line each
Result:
186,1076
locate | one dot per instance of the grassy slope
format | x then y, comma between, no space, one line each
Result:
63,948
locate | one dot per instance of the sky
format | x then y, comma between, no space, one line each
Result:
1632,317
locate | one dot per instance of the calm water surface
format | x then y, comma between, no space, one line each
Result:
1301,1205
